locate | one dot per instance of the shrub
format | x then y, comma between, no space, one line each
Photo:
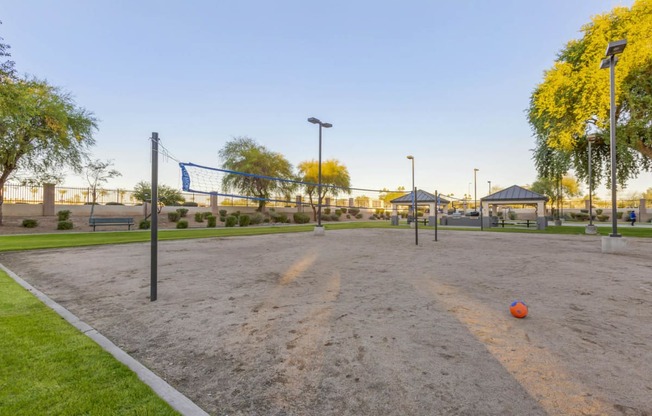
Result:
619,215
278,216
499,214
182,212
335,217
343,210
325,217
231,221
338,212
30,223
199,217
511,215
212,221
327,211
354,211
64,225
348,216
256,218
190,204
236,214
63,215
584,211
603,218
182,224
301,218
581,216
598,211
114,203
244,220
222,219
144,225
173,216
207,214
372,217
358,216
379,211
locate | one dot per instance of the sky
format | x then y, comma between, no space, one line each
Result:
445,81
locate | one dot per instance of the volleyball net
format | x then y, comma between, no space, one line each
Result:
241,188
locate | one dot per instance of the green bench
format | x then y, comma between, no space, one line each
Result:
98,222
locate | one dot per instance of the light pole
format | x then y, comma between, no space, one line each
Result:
475,189
489,182
590,229
614,48
414,204
326,126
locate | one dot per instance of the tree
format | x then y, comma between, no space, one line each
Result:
386,195
98,172
243,154
6,67
167,195
574,98
335,179
647,195
556,190
41,129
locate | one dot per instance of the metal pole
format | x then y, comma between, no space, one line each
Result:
612,111
319,183
475,190
436,212
416,221
154,228
590,188
489,182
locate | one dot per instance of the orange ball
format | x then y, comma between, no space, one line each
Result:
518,309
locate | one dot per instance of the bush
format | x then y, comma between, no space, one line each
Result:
244,220
343,210
581,216
222,213
348,216
207,214
603,218
173,216
584,211
619,215
278,216
29,223
325,217
63,215
64,225
199,217
144,225
338,212
301,218
114,203
222,219
231,221
598,211
182,212
372,217
182,224
358,216
511,215
212,221
327,211
256,218
335,217
354,211
190,204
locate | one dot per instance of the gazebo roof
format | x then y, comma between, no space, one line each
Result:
422,196
514,193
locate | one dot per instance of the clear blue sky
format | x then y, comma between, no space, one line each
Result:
446,81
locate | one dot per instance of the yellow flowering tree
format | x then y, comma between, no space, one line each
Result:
574,99
335,179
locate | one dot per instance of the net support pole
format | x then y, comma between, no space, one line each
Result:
415,218
154,228
436,212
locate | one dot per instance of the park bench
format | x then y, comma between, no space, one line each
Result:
527,223
98,222
410,219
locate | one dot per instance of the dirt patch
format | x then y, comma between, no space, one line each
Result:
363,322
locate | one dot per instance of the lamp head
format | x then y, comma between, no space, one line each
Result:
410,157
326,125
314,120
592,137
616,47
476,170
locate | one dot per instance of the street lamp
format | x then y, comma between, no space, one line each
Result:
590,229
326,126
489,182
475,189
614,48
414,204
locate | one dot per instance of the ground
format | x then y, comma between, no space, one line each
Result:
364,322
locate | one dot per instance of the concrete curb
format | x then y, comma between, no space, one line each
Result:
178,401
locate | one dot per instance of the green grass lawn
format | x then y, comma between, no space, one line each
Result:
50,367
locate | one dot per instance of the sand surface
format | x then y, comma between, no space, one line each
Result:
363,322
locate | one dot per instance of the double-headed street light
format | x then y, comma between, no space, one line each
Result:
614,48
326,126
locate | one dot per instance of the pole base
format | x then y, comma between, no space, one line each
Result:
614,244
319,230
591,229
